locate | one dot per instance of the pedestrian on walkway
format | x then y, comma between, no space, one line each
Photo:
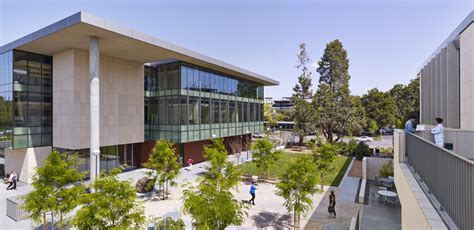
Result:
252,193
12,181
332,203
190,164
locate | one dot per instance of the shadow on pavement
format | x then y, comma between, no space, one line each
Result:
273,220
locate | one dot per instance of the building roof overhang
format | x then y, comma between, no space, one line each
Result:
74,32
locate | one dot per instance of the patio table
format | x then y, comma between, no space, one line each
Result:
387,193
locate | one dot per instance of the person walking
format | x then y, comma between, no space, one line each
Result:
252,193
438,132
190,164
410,124
332,203
12,181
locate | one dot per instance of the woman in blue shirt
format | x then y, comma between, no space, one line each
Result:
252,193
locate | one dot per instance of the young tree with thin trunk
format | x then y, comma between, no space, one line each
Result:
211,203
54,188
297,185
302,111
164,162
323,156
264,155
112,205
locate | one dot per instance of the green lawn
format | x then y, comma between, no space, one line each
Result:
333,178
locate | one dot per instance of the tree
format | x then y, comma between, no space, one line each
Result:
112,205
407,100
302,111
264,154
323,156
211,203
332,102
167,223
297,185
54,188
362,150
270,115
164,162
380,107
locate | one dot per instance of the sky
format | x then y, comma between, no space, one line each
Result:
386,40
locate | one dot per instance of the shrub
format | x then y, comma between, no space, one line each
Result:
362,150
351,146
386,170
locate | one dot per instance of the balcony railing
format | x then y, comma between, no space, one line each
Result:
449,177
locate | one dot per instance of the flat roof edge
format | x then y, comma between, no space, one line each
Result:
451,37
83,17
45,31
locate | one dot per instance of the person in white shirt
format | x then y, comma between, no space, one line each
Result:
438,132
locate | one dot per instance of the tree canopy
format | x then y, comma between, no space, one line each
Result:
297,185
211,203
379,107
164,161
333,105
264,154
54,187
112,205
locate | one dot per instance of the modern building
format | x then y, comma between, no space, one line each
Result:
436,185
283,103
85,72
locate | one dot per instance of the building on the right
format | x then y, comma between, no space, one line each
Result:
436,184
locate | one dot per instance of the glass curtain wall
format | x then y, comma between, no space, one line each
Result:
6,104
186,103
32,100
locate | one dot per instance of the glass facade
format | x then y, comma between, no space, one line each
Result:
186,103
32,100
6,102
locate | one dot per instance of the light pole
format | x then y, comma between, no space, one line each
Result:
247,146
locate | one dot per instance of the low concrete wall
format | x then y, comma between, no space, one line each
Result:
461,140
24,161
371,166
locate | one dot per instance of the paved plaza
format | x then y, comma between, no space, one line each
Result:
267,213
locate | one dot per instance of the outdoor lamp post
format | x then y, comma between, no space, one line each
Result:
96,154
247,146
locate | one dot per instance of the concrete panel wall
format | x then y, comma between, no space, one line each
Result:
372,165
452,59
25,160
466,66
121,100
439,89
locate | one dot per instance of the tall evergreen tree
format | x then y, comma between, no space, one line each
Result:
333,104
302,111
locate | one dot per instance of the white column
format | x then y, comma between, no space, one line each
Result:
94,108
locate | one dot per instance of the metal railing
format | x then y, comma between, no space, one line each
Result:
449,177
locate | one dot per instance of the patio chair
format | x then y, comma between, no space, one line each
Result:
389,185
391,200
382,188
374,196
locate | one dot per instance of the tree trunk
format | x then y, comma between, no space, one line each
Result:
294,218
301,141
44,221
322,182
60,220
166,189
299,222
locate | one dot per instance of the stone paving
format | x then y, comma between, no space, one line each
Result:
268,213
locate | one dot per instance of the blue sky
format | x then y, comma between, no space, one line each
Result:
387,41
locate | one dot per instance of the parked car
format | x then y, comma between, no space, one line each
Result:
258,135
364,139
